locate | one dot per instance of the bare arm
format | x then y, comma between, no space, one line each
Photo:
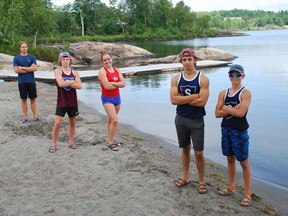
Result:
21,70
104,80
219,112
241,109
77,84
203,94
178,99
120,84
60,81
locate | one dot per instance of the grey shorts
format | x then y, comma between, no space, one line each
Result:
188,129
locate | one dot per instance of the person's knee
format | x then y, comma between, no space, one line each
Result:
186,149
199,155
245,164
231,159
114,121
57,123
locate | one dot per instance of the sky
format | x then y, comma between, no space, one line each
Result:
211,5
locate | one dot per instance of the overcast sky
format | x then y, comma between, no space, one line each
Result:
211,5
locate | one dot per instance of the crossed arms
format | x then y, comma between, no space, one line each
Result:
197,100
75,84
238,111
110,85
22,70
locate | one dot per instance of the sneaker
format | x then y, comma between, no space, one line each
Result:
38,119
23,120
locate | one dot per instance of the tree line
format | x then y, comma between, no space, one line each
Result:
39,21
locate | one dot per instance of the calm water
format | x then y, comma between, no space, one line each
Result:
146,104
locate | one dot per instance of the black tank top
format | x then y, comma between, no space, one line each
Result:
233,121
188,87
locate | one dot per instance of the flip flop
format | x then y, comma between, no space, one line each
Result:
52,149
225,192
73,146
246,201
202,189
181,182
116,143
113,147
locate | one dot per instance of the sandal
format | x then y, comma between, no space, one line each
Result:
116,143
225,192
113,147
202,189
246,201
73,146
181,182
52,149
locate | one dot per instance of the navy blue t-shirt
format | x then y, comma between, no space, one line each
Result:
25,61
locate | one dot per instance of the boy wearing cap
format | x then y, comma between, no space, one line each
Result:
232,106
25,65
67,81
190,92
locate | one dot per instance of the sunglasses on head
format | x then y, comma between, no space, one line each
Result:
235,75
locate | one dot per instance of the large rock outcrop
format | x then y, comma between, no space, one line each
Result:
90,52
201,54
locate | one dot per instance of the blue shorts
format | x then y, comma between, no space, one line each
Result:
235,142
116,101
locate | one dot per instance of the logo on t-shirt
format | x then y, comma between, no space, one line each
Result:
115,79
67,88
187,90
230,104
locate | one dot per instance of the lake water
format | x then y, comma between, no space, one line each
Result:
263,54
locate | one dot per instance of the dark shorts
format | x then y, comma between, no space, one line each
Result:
27,90
116,101
71,111
188,129
235,142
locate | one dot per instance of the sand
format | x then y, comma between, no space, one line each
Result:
93,180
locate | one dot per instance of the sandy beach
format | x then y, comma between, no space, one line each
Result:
93,180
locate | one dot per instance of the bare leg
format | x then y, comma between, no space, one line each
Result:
231,171
72,129
24,108
247,177
56,129
34,108
200,164
112,112
185,167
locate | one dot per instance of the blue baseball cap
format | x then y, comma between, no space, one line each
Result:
64,55
237,68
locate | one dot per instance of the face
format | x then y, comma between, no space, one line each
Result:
188,62
235,76
23,48
65,62
107,60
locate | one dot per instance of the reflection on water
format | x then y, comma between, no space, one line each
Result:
146,101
